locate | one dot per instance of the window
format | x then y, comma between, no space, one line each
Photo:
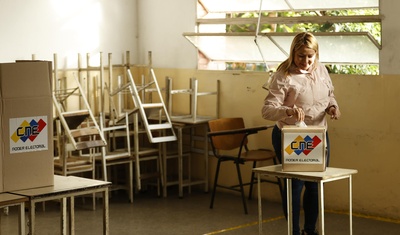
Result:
256,34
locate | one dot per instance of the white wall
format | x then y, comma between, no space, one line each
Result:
161,24
66,27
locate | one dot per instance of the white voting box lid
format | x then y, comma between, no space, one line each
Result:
303,148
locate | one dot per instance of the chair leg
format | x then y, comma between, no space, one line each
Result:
130,181
252,179
215,184
241,187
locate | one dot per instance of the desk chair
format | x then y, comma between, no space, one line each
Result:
229,134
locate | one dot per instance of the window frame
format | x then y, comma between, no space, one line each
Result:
287,20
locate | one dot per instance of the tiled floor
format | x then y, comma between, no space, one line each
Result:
191,215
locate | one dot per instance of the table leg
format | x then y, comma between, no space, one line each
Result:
19,227
259,204
180,162
321,208
206,157
164,167
0,225
21,218
106,225
289,205
64,219
31,217
71,218
350,205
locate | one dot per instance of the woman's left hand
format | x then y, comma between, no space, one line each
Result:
334,113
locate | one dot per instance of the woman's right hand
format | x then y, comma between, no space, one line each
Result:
297,112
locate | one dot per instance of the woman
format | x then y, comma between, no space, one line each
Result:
301,90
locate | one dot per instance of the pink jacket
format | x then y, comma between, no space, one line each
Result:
313,92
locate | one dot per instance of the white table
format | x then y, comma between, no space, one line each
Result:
7,199
66,187
331,174
179,125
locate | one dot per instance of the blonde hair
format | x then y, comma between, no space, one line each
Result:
302,39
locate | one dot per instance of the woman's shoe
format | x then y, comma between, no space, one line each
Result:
305,233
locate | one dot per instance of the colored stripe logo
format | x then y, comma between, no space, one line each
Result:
28,130
302,145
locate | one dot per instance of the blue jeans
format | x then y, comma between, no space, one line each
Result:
310,197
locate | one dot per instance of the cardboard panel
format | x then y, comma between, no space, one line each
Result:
26,126
25,79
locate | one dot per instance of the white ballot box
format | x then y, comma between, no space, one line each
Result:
303,148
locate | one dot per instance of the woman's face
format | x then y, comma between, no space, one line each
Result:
304,57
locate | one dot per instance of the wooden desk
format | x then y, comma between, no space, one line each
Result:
66,187
7,199
331,174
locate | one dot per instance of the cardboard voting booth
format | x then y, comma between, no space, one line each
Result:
303,148
26,135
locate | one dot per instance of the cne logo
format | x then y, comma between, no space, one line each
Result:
303,145
28,130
